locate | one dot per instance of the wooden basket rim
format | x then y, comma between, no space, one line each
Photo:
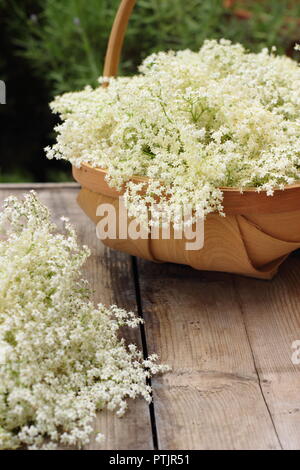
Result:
235,202
145,179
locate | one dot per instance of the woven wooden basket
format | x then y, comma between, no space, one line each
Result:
254,238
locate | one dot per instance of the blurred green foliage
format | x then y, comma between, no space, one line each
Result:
53,46
65,41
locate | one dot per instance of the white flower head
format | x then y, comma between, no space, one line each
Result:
60,356
191,122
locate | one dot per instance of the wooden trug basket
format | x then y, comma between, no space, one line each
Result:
254,238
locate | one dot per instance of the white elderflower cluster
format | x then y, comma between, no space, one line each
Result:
60,356
191,122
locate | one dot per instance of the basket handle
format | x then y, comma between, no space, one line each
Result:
116,39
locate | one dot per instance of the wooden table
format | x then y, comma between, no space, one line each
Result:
228,339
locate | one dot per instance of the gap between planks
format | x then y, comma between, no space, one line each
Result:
110,276
233,384
226,390
145,347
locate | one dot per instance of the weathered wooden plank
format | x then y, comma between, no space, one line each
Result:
212,399
272,316
36,186
109,274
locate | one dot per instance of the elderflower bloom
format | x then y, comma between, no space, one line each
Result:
191,122
60,356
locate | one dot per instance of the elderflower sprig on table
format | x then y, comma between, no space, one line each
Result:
191,122
60,356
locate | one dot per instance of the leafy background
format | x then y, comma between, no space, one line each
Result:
52,46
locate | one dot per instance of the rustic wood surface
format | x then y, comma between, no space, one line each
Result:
228,339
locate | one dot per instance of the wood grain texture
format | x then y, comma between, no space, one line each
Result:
212,399
229,341
272,317
116,38
110,277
